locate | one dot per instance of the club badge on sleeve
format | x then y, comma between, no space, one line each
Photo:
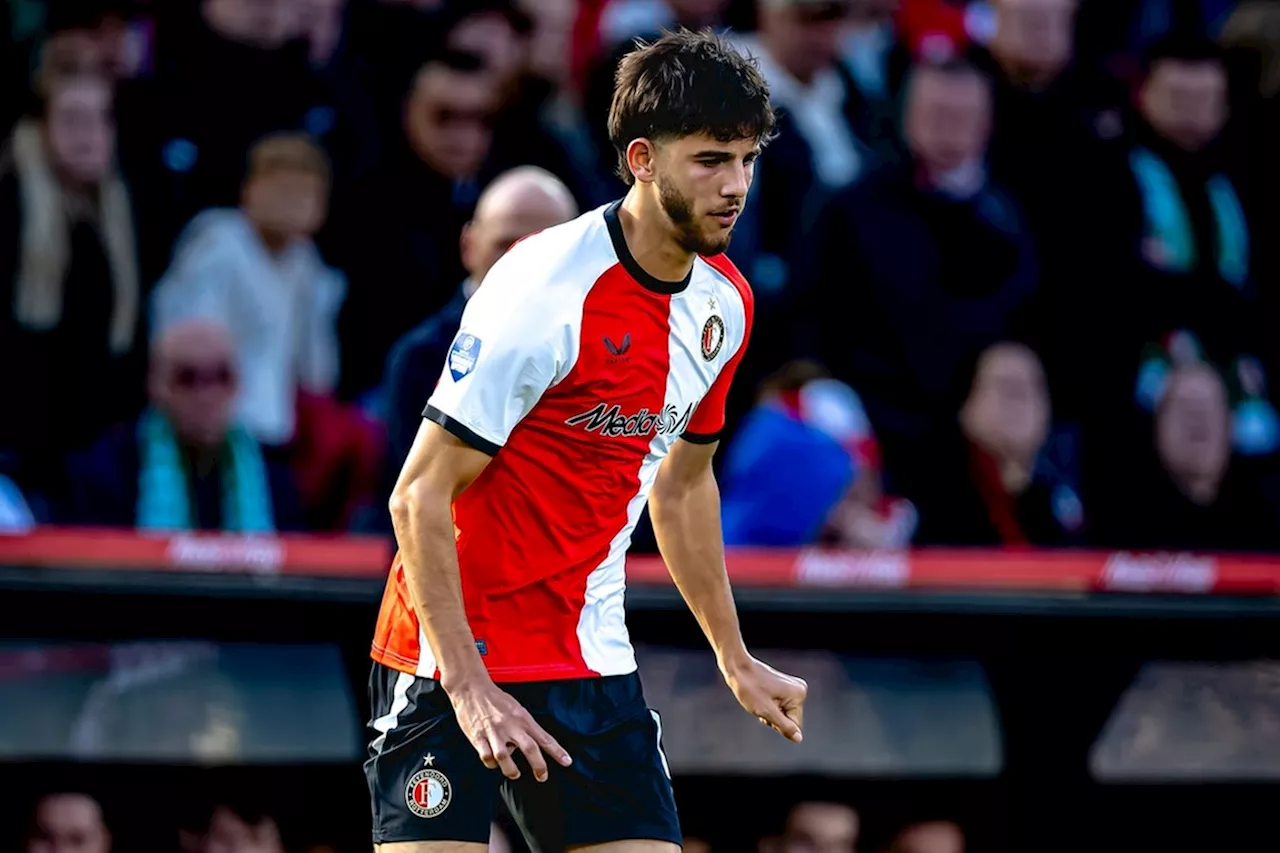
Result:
463,355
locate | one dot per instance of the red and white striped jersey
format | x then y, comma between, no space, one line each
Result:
577,371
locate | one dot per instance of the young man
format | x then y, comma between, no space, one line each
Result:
589,375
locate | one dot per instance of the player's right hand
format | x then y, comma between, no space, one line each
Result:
498,727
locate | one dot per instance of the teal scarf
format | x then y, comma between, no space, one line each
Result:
1168,223
164,486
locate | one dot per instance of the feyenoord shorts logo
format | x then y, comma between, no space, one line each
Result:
428,793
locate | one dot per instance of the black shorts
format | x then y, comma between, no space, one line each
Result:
427,782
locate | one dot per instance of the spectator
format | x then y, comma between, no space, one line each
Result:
1191,494
804,466
185,464
819,827
68,282
68,822
538,123
1189,222
255,270
515,204
232,829
232,73
993,477
929,837
397,234
1057,147
877,60
933,260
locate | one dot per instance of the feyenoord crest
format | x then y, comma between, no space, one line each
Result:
428,793
712,337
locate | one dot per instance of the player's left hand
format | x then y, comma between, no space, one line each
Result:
773,697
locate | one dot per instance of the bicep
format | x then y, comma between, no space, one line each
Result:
439,463
687,465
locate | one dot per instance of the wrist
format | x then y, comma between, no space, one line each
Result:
459,680
734,663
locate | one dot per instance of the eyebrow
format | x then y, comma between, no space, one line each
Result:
713,154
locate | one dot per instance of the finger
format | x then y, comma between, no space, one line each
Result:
485,752
784,725
549,745
528,747
502,755
794,709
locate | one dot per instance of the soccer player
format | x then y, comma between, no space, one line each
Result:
589,375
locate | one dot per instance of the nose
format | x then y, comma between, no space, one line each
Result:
738,182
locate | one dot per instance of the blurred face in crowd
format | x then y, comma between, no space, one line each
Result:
804,38
193,381
289,204
491,36
449,120
80,129
513,206
937,837
1186,102
550,47
1033,41
68,823
1193,426
948,118
260,23
229,833
701,185
1007,412
820,828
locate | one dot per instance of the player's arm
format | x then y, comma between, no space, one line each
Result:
440,465
506,354
684,505
685,508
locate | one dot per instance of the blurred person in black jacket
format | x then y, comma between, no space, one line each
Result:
1057,147
934,261
515,204
226,75
396,233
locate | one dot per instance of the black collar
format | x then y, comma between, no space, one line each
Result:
628,260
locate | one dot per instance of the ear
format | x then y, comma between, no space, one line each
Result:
641,154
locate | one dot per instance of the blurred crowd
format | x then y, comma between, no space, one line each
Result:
73,820
1011,258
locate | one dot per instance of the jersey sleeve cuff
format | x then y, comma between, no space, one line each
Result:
461,431
700,437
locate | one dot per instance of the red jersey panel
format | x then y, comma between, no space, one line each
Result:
576,371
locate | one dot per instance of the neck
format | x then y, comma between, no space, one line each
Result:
273,240
1200,489
651,237
1015,474
202,457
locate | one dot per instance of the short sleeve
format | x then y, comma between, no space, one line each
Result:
503,358
708,420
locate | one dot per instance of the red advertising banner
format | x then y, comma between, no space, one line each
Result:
368,557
